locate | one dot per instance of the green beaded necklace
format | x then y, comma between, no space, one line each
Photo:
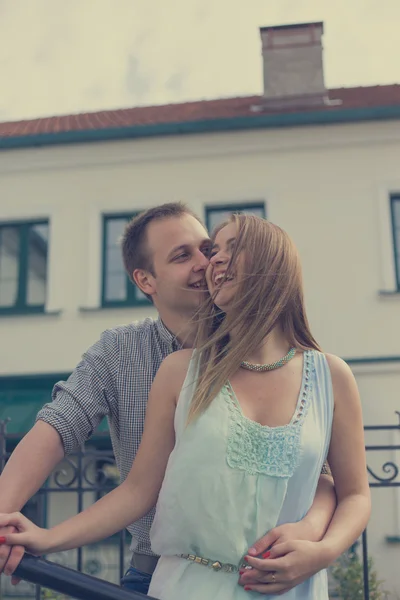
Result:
271,366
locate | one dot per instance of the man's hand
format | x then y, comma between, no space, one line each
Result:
10,556
302,530
286,565
276,541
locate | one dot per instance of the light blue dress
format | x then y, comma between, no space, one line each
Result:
229,480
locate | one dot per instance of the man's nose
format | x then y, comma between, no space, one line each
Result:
202,262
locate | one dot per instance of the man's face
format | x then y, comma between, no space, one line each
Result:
179,249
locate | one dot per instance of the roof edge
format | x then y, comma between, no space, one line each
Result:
260,121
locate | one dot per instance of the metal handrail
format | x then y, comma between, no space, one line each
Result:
73,583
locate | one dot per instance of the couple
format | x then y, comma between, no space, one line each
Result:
231,448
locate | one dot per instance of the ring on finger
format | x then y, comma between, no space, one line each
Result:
273,577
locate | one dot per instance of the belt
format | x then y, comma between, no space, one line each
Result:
215,565
144,562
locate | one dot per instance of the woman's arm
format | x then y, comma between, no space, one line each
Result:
323,507
347,460
295,561
136,495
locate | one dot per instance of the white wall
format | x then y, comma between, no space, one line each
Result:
328,187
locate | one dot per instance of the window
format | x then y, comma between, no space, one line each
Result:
107,476
217,214
23,266
395,202
117,288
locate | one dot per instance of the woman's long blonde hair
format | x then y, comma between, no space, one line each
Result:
269,293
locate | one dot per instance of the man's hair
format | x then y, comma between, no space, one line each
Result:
135,252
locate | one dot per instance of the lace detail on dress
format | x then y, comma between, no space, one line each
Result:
258,448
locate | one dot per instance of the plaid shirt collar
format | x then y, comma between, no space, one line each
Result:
167,336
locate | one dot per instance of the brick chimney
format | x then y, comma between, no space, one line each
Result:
293,66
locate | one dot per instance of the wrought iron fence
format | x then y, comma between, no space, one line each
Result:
385,473
79,480
83,477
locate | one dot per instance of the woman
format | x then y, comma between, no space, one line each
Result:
235,436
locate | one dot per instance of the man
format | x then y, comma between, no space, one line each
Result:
165,252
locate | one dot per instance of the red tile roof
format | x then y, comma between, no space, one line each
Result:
204,110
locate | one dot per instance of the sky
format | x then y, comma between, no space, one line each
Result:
70,56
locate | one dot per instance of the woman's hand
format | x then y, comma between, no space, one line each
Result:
285,565
297,567
34,539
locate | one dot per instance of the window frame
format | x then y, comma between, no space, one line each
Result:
21,306
131,299
394,199
234,208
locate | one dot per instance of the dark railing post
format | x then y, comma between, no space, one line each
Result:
3,444
80,503
365,565
122,554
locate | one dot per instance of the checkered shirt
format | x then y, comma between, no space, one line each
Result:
113,379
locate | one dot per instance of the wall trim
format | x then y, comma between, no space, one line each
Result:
364,360
31,381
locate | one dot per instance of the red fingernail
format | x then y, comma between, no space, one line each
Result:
246,558
241,571
2,540
266,555
247,588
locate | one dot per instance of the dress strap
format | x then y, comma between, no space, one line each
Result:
324,389
186,395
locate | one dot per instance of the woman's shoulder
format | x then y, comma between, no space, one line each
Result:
337,366
336,374
179,358
172,372
177,363
341,374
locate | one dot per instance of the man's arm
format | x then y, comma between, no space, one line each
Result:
80,403
319,516
312,527
31,463
63,425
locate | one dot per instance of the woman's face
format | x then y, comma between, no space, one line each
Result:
223,289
